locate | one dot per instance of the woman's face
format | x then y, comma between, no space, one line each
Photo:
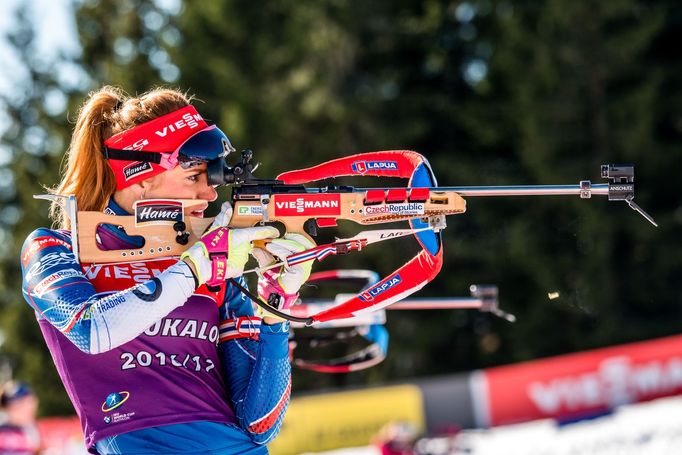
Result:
179,183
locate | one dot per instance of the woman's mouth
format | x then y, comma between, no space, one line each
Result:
198,209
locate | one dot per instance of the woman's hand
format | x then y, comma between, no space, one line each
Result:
222,252
280,287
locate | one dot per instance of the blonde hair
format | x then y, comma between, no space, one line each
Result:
108,111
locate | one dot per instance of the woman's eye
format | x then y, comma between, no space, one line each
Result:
194,177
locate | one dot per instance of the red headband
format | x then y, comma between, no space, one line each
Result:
152,147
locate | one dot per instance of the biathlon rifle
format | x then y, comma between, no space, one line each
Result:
162,228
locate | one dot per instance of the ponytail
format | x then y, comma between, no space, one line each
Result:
86,173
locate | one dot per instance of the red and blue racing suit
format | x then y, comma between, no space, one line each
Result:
151,364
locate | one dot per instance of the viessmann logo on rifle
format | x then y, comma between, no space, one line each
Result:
308,205
158,211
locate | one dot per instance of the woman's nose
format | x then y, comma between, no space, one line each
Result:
208,193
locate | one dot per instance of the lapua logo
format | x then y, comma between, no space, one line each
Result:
308,204
380,288
135,169
158,211
360,167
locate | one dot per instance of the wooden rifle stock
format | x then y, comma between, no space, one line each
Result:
297,212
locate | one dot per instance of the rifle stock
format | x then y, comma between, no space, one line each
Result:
294,211
159,237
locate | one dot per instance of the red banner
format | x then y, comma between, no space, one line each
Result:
579,385
61,436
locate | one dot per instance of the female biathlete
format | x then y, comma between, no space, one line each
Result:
152,360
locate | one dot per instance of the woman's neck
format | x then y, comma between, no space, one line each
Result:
125,199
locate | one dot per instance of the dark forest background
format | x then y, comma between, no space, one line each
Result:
492,92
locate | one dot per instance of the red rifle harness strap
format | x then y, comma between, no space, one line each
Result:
417,272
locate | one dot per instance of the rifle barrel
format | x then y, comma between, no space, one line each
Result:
601,189
437,304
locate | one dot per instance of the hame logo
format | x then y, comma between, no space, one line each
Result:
380,288
361,167
135,169
307,205
158,211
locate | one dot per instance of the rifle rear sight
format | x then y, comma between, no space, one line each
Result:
220,173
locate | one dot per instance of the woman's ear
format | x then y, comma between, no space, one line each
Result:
141,189
127,196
